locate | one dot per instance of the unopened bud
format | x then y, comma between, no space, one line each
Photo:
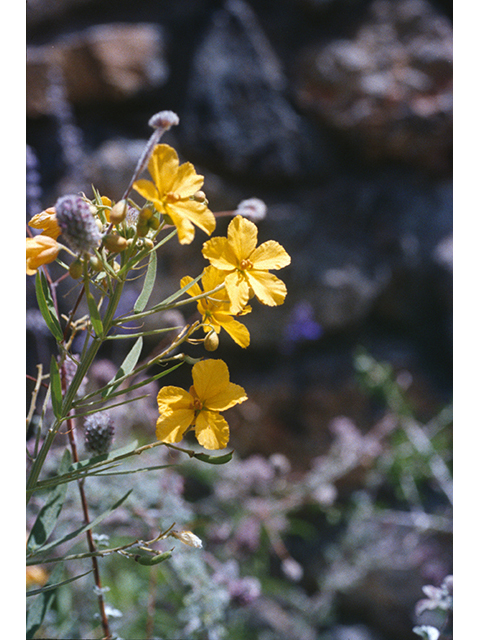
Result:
76,269
118,212
199,196
145,214
98,432
115,243
95,263
211,341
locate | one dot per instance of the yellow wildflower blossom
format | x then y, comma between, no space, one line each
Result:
40,250
171,192
246,266
210,393
36,576
215,309
47,221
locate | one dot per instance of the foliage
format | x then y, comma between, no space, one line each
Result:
103,246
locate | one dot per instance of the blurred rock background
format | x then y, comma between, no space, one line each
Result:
338,114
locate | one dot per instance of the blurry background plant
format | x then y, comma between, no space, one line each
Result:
346,135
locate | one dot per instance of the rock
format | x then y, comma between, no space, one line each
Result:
388,89
104,63
237,115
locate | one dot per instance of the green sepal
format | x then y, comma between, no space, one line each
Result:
205,457
46,306
48,516
126,367
148,284
56,388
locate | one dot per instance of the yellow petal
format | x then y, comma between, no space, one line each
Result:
172,399
242,237
236,330
194,211
194,290
187,182
147,189
171,427
210,377
270,255
211,278
40,250
269,289
238,290
211,430
227,398
220,254
163,167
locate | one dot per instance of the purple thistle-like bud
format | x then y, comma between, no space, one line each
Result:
77,223
98,432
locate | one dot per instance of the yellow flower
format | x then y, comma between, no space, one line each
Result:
40,250
211,393
215,309
171,192
246,266
47,221
36,576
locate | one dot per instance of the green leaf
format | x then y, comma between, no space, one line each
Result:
46,306
56,388
177,294
86,527
148,284
94,314
41,604
204,457
79,469
50,587
126,367
48,516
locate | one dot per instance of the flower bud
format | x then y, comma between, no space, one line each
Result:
79,227
145,214
199,196
115,243
211,341
76,269
98,432
118,212
95,263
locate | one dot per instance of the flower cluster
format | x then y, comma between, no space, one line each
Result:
108,239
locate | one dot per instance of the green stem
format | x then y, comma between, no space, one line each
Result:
72,390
